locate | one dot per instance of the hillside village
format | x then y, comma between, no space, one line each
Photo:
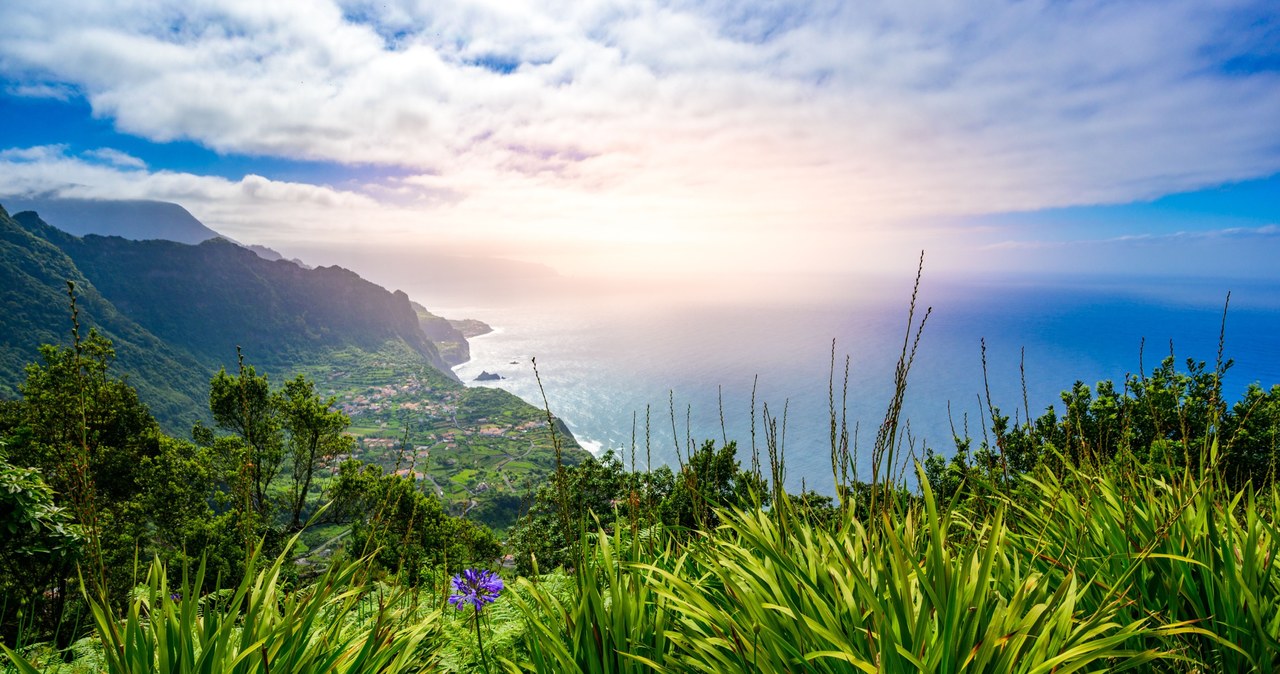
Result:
469,445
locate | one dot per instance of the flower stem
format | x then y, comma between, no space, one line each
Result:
480,642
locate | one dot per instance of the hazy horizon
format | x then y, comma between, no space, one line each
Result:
456,284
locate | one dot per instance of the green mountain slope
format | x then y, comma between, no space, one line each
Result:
214,296
177,312
450,336
35,306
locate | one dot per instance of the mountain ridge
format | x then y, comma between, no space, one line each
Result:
450,335
190,306
33,297
135,219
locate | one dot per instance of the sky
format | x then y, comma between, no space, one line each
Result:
646,139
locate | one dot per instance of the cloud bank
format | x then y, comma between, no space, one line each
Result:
650,133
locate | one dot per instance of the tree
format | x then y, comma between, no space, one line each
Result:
244,405
591,492
409,530
177,490
711,479
315,434
73,410
39,537
96,446
597,492
1251,436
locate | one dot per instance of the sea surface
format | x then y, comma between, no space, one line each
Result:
648,377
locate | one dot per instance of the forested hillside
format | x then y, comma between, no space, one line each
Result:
33,300
211,297
177,312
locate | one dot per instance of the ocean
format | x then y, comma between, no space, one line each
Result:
645,377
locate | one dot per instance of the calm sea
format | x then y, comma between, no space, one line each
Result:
607,364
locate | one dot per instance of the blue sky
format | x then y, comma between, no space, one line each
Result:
1227,209
634,138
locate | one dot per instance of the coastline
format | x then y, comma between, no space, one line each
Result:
470,354
517,379
599,367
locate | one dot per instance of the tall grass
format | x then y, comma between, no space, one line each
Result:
340,624
617,621
1175,548
1106,569
921,589
1100,567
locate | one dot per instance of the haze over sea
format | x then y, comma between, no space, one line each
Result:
604,362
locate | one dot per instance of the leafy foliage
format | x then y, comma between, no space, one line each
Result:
29,519
315,434
1165,421
177,312
599,494
34,273
408,532
128,488
335,625
246,406
38,535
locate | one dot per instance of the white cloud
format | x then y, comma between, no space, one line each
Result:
58,92
115,158
1271,231
253,208
726,127
38,153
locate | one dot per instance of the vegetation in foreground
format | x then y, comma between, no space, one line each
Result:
1136,532
1109,570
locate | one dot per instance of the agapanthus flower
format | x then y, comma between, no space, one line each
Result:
475,588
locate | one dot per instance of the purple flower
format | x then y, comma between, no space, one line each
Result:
476,588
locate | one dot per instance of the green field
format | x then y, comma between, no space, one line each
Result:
409,417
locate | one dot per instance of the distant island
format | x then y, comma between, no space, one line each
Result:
485,375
